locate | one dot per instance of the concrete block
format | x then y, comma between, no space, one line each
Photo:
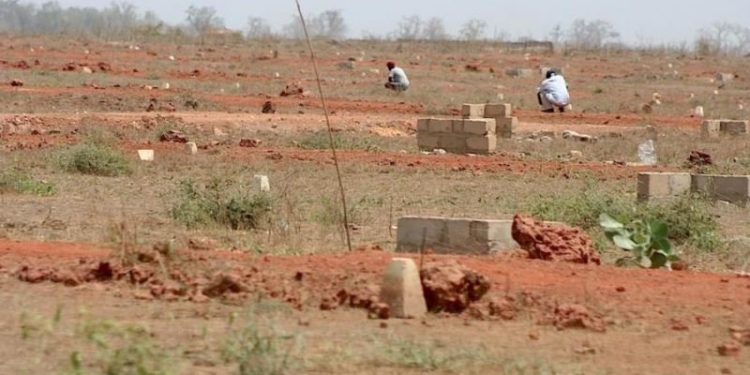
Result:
402,290
711,129
498,110
482,145
441,125
458,126
505,126
263,183
454,236
146,155
734,127
427,141
423,125
478,126
724,77
733,189
454,143
657,185
472,111
191,148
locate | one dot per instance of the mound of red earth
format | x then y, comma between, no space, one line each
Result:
173,135
451,287
294,89
21,65
553,242
576,316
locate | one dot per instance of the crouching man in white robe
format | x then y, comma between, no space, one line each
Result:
397,80
553,93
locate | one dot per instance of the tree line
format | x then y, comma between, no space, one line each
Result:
123,21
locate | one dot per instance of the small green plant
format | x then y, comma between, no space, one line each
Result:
17,182
94,159
646,240
220,202
411,354
260,349
120,350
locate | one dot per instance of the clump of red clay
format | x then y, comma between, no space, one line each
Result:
451,287
554,242
576,316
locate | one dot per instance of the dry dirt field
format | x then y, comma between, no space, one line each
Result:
117,266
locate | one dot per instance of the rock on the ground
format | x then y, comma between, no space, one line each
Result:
451,287
250,142
173,135
16,83
699,159
225,283
553,242
293,89
268,107
577,316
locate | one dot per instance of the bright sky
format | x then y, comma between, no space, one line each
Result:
650,21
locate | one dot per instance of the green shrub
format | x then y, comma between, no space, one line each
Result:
581,208
17,182
94,159
319,140
687,217
219,203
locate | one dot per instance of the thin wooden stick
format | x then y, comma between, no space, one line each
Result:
328,124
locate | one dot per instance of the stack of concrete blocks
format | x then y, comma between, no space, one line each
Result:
716,128
664,186
449,235
475,133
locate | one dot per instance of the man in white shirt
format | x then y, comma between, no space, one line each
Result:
553,93
397,79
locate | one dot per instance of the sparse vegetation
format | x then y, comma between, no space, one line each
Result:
15,181
260,349
319,140
119,350
94,158
220,202
688,217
